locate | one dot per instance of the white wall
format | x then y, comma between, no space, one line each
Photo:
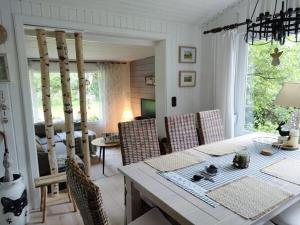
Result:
77,16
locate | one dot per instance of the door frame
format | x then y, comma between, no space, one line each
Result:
162,48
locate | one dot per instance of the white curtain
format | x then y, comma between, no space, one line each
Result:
114,93
224,62
116,98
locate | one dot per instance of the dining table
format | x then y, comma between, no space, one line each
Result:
186,206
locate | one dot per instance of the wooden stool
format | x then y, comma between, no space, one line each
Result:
43,183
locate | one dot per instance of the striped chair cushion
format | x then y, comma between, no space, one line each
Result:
139,140
181,132
210,126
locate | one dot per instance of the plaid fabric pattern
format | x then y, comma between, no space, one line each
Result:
181,132
139,140
210,126
86,194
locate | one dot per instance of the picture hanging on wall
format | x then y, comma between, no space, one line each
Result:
187,54
150,80
4,77
187,78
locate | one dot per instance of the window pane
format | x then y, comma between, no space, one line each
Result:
264,82
93,96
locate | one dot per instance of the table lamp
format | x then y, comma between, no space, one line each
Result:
289,96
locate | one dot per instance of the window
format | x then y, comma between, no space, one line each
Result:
264,82
94,103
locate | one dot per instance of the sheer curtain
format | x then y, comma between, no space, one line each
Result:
224,62
104,112
116,94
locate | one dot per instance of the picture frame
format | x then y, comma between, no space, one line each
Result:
4,75
150,80
187,54
187,78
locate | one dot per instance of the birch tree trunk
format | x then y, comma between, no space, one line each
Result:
62,51
46,98
82,94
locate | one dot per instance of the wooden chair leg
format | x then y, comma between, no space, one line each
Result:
41,202
72,200
69,194
45,192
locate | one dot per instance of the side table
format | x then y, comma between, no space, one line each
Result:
99,142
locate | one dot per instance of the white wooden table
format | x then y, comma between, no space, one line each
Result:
182,206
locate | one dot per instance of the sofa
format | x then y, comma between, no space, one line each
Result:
60,145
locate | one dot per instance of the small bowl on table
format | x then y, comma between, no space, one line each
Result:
266,145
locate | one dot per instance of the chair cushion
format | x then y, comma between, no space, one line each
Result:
290,216
154,216
39,129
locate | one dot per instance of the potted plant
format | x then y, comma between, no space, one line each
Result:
13,195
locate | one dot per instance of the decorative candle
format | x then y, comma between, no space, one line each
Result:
293,139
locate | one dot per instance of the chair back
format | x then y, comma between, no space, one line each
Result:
181,132
139,140
86,194
210,126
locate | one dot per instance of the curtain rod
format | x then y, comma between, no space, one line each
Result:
74,61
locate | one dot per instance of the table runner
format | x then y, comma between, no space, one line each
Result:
173,161
249,197
227,173
286,169
220,148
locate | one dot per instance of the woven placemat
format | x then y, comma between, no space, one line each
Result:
286,169
173,161
249,197
220,148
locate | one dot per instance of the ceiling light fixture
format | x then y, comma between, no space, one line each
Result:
269,27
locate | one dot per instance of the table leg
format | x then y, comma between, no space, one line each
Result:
133,202
100,151
103,160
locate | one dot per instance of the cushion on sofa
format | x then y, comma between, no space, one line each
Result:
39,129
61,155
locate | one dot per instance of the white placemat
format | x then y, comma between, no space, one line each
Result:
249,197
173,161
220,148
287,169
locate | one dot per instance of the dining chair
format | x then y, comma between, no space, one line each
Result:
291,216
210,126
89,201
139,140
181,132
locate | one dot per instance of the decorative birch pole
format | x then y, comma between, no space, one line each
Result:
45,80
82,94
62,51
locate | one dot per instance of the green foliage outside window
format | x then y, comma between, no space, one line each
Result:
93,96
264,82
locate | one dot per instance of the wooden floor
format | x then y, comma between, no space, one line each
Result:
60,212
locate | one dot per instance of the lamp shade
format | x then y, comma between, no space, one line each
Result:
289,95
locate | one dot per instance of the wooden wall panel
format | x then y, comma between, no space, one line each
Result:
138,70
88,16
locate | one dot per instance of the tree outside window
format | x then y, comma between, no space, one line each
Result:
264,82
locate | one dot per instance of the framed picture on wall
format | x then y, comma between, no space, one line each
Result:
187,78
187,54
4,77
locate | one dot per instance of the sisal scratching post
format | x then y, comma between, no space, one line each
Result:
82,94
44,62
62,51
